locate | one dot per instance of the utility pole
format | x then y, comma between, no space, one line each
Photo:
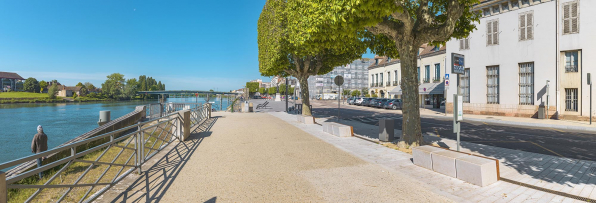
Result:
286,94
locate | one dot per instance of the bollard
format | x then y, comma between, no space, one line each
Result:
104,117
386,130
209,111
3,191
183,125
250,107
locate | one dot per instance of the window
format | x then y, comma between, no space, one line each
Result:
525,2
388,76
465,85
514,4
526,26
437,72
492,76
571,61
526,84
571,99
427,73
571,17
495,9
464,44
492,32
505,6
419,75
486,12
395,75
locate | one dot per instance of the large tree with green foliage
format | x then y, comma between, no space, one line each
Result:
355,93
31,85
397,28
252,87
53,90
290,44
42,86
114,86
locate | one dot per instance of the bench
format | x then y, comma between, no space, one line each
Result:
263,105
337,129
305,119
477,170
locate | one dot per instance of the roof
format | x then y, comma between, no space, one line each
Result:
72,88
9,75
427,51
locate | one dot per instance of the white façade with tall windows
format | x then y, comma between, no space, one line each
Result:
518,46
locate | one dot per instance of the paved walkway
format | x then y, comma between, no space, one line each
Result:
251,157
555,174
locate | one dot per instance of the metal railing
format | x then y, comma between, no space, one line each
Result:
114,154
394,83
388,84
426,80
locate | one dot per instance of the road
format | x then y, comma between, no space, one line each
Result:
563,143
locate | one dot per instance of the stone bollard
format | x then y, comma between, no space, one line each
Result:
209,115
3,191
250,107
386,131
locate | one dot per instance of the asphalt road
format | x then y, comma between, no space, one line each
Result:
564,143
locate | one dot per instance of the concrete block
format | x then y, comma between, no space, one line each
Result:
341,130
3,191
309,120
386,130
422,156
326,127
444,162
476,170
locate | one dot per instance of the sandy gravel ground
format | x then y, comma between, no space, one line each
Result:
259,158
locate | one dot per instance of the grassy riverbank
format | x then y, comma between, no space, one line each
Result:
23,95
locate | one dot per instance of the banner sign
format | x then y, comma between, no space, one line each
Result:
457,63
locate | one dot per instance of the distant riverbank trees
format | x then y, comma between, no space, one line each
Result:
117,87
31,85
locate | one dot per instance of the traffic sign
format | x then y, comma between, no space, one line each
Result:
457,63
339,80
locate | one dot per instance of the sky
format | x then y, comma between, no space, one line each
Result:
188,45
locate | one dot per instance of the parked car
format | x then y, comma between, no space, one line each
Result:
380,103
359,101
393,104
371,102
365,101
350,101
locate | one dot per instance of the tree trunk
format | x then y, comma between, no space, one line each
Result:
411,133
306,111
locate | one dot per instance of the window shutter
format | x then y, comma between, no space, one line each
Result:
574,18
461,44
489,33
467,43
496,32
530,26
566,19
522,27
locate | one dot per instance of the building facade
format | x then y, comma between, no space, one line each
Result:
10,81
355,77
527,55
385,76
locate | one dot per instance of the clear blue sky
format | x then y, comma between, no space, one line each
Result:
195,44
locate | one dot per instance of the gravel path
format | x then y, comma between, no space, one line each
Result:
260,158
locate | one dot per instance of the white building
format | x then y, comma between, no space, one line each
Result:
385,75
519,46
355,78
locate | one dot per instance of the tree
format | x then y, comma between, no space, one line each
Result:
113,86
53,90
355,93
130,90
346,92
282,89
42,86
262,90
252,87
272,91
80,84
364,91
397,28
89,86
289,43
292,90
31,85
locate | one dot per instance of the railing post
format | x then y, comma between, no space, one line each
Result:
209,111
139,146
3,191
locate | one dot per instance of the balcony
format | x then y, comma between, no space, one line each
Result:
570,68
388,84
394,83
426,80
380,84
372,85
436,79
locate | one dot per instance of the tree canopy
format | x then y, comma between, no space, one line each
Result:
31,85
252,87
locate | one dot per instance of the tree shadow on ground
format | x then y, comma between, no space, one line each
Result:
154,182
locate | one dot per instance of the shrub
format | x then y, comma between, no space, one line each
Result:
52,91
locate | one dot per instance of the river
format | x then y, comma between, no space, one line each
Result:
60,121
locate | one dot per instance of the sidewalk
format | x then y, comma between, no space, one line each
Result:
256,157
544,178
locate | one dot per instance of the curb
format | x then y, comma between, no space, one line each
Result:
522,124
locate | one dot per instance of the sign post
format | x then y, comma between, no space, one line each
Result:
339,80
457,68
590,83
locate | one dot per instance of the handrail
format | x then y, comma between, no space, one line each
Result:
166,129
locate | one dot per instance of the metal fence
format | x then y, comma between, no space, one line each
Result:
160,109
117,157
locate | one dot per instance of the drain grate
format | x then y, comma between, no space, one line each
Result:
551,191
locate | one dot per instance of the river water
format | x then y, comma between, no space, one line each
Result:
61,122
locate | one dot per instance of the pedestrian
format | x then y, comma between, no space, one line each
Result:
38,145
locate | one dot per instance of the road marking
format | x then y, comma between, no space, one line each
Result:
557,130
547,149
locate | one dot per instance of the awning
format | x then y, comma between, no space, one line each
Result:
426,88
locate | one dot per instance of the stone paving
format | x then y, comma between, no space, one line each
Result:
570,176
